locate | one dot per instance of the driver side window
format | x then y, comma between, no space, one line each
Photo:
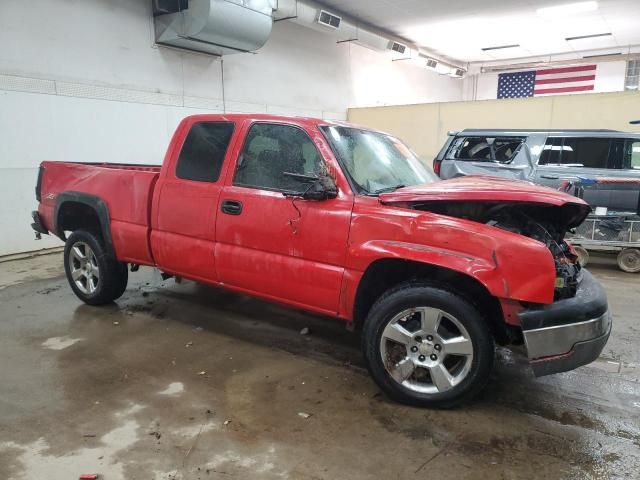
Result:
269,151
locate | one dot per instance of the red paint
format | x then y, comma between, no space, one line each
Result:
551,71
313,260
510,310
476,187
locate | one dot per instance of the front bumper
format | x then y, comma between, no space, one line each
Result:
568,333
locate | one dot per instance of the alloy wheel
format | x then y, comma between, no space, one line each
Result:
84,269
426,350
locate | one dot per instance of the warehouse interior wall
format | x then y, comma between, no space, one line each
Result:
83,81
424,126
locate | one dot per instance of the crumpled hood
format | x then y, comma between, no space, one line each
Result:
491,189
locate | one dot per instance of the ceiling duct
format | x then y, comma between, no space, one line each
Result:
431,63
329,19
162,7
310,14
217,27
397,47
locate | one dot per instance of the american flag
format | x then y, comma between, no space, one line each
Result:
549,81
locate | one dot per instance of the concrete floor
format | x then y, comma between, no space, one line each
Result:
187,382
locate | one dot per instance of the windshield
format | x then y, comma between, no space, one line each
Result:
376,162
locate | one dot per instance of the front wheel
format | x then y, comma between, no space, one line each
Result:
94,274
428,347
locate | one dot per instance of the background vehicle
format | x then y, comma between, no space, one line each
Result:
603,232
345,222
547,157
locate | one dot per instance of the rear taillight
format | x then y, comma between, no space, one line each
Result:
39,183
436,166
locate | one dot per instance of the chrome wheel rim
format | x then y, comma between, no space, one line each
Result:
426,350
83,266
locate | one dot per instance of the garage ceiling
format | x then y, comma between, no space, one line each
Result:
461,29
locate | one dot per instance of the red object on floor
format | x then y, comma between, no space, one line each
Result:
89,476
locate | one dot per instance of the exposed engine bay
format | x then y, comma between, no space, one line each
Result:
544,223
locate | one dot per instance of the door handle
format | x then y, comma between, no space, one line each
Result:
550,177
231,207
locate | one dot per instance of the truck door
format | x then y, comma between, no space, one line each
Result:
185,205
277,246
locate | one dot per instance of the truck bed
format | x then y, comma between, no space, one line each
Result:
126,189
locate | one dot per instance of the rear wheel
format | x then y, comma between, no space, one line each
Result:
94,274
426,346
629,260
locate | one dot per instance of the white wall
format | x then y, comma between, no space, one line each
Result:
609,78
376,81
83,81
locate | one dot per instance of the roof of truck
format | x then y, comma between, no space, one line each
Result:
306,122
230,117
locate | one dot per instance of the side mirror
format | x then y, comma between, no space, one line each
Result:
322,188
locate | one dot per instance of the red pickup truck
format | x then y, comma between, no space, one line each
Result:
343,221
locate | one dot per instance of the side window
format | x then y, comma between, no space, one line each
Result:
551,152
586,152
576,152
616,154
492,149
203,151
269,151
632,154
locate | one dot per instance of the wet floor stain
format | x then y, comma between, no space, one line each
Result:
174,388
127,401
60,343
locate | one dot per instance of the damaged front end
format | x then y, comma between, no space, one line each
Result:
560,334
573,330
547,224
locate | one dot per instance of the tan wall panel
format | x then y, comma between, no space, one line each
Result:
516,113
424,126
415,124
597,110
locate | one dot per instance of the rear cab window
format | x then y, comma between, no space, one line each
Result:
485,149
203,151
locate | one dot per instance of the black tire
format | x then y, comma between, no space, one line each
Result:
412,295
110,281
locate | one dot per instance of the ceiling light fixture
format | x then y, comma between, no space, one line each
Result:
567,9
602,55
486,49
583,37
